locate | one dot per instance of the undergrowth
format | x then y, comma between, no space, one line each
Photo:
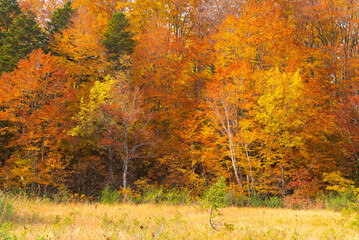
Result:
7,209
347,201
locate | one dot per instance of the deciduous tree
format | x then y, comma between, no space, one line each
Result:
115,117
35,99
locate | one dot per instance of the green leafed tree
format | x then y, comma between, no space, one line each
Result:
9,9
60,19
24,35
118,39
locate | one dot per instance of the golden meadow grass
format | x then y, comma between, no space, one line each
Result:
48,220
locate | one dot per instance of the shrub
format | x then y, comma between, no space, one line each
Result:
297,203
109,196
173,197
5,232
235,199
338,202
216,196
271,202
7,210
176,197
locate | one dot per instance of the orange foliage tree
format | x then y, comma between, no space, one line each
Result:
35,100
81,47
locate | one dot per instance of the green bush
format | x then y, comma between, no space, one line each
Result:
150,195
176,197
236,200
271,202
341,201
173,197
109,196
216,196
5,231
255,201
7,210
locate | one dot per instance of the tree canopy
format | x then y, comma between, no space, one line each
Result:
262,95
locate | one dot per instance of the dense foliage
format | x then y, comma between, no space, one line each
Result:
178,94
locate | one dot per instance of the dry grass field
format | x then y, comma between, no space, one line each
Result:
47,220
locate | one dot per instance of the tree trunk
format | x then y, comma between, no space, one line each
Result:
234,161
250,169
127,154
112,178
283,182
125,168
248,187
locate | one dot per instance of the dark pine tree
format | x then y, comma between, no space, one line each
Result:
117,39
60,20
9,10
24,35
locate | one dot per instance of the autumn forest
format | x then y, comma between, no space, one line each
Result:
179,93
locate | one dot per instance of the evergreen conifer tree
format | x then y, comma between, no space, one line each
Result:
24,35
118,40
9,10
60,19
